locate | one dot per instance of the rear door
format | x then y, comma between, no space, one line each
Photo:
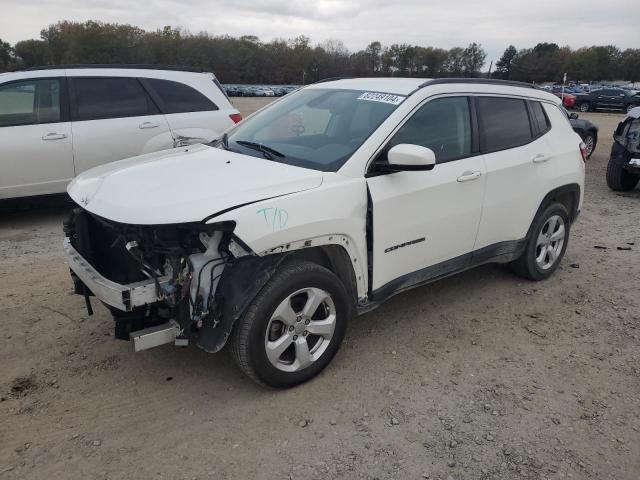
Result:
518,160
36,156
114,118
192,116
610,99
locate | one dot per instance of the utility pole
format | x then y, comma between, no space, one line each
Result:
490,66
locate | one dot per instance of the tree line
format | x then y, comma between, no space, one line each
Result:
247,59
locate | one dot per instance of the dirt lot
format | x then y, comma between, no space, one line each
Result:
480,376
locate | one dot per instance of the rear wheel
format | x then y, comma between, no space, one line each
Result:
546,245
590,143
293,328
620,179
585,107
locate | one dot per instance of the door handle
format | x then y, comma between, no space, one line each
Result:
540,158
54,136
149,125
468,176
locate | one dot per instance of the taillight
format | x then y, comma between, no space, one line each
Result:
236,117
583,151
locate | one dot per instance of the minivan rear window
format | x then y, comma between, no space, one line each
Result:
504,123
176,97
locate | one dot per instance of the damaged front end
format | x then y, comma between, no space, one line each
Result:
176,283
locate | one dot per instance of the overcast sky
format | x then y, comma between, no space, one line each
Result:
442,23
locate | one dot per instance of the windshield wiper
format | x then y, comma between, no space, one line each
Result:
268,152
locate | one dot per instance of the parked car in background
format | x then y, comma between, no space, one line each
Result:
321,206
568,99
623,170
56,122
608,99
587,131
232,91
264,92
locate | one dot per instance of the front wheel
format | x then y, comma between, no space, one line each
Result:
546,245
293,327
585,107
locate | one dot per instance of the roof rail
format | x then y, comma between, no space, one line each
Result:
487,81
331,79
179,68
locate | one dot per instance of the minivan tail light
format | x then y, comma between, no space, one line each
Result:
236,117
583,151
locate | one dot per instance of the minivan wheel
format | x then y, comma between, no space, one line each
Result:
585,107
293,327
546,245
620,179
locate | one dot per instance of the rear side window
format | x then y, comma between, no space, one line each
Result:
443,125
540,120
30,102
175,97
97,98
504,123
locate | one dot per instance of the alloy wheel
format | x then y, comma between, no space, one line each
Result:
588,143
300,329
550,242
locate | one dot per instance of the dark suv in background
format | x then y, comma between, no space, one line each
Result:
587,131
608,99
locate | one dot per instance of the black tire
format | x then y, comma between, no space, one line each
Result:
620,179
526,266
585,107
247,340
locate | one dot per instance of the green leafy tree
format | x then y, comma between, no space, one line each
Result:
503,66
247,59
473,58
7,57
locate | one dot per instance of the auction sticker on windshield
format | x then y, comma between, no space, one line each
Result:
382,97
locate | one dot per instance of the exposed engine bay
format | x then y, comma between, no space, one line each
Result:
201,276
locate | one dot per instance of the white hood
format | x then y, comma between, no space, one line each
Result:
184,185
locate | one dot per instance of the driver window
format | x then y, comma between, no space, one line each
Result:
443,125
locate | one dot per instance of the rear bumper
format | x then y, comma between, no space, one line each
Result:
122,297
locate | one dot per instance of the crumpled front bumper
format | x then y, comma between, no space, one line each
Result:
122,297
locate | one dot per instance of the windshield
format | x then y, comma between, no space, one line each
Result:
313,128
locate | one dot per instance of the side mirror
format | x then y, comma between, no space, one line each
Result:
573,116
406,156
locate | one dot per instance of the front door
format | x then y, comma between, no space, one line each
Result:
425,222
35,135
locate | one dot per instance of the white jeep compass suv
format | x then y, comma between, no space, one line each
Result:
320,206
56,122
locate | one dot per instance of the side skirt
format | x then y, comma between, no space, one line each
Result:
502,252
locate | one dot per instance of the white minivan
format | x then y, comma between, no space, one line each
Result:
56,122
323,205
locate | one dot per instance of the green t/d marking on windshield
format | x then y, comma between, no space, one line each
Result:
276,218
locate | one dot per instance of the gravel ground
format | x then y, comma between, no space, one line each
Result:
479,376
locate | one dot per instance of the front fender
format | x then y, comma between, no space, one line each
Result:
331,214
